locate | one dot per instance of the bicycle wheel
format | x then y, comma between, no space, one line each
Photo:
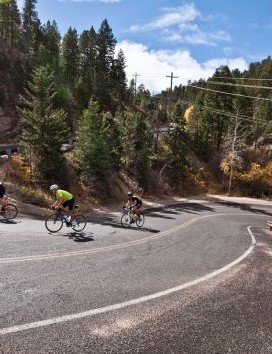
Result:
125,220
78,223
140,220
53,223
10,211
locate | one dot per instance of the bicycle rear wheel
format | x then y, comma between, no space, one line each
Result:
10,211
125,220
78,223
140,220
53,223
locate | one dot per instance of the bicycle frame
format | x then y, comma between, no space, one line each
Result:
129,217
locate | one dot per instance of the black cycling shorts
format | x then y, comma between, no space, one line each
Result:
2,191
69,203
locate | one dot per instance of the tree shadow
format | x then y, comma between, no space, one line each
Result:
163,212
244,207
171,210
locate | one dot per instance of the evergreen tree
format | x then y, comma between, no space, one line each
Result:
87,56
10,22
70,55
178,143
137,142
92,150
31,27
50,47
216,122
118,78
84,88
106,43
43,127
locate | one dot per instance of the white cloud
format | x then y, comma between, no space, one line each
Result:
154,66
172,16
182,25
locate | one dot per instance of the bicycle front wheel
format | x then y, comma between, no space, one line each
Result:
78,223
53,223
140,220
10,212
125,220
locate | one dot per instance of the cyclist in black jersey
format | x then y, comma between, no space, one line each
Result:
134,202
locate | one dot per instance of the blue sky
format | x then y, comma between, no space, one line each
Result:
187,38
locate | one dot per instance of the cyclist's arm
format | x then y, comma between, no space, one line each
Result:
58,203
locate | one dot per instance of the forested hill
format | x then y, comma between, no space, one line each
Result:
208,135
11,74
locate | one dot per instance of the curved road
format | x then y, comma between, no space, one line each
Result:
195,279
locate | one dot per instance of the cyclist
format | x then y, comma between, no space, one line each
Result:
3,202
63,199
134,202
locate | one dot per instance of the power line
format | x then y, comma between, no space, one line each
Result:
238,85
242,78
232,94
242,117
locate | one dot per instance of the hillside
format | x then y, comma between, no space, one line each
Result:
10,72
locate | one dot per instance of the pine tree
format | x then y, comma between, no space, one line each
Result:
31,27
43,127
216,122
92,152
70,55
10,22
49,49
84,88
118,78
106,43
137,142
178,143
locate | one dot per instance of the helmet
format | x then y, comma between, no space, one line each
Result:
130,194
53,187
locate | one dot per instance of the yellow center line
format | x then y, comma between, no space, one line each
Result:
114,247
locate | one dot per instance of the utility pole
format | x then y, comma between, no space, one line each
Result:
171,90
135,82
172,77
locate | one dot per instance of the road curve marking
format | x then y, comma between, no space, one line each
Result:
114,247
89,313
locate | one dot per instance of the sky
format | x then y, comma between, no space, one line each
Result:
186,39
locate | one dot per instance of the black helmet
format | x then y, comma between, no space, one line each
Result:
130,194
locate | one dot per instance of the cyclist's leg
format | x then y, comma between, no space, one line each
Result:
137,209
69,207
3,203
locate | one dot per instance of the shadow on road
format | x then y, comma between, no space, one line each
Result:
167,212
245,207
10,222
81,236
76,236
171,210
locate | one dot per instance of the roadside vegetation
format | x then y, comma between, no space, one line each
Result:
209,136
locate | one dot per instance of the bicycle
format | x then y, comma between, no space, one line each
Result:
9,211
55,221
129,218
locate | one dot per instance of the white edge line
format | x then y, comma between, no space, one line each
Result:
124,304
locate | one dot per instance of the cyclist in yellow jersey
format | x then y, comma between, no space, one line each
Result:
63,199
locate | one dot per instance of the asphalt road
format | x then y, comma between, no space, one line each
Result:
195,279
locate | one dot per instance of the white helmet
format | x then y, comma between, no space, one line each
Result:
53,187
